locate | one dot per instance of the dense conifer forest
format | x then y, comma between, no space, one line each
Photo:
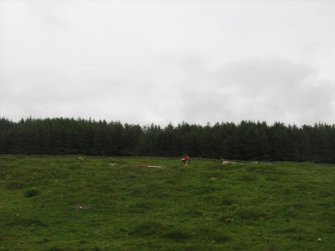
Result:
247,140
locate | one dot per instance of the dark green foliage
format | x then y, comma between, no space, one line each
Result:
245,141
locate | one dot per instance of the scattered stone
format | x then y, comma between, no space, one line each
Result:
225,162
146,166
229,220
83,207
142,166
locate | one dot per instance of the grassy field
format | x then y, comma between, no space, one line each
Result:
91,203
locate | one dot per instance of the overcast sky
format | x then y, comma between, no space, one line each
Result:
168,61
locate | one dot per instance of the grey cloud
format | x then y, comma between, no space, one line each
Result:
267,89
49,93
264,73
167,62
51,13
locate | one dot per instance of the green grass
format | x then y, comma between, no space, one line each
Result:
91,203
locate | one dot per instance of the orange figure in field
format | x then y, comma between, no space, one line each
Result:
185,159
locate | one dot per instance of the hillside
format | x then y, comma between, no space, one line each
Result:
105,203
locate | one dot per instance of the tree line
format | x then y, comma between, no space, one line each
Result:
247,140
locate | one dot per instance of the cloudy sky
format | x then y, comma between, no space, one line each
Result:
164,61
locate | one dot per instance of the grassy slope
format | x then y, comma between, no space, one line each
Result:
73,203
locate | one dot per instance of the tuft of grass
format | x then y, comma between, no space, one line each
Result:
31,192
56,249
227,201
147,229
213,235
178,235
248,177
250,214
15,185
